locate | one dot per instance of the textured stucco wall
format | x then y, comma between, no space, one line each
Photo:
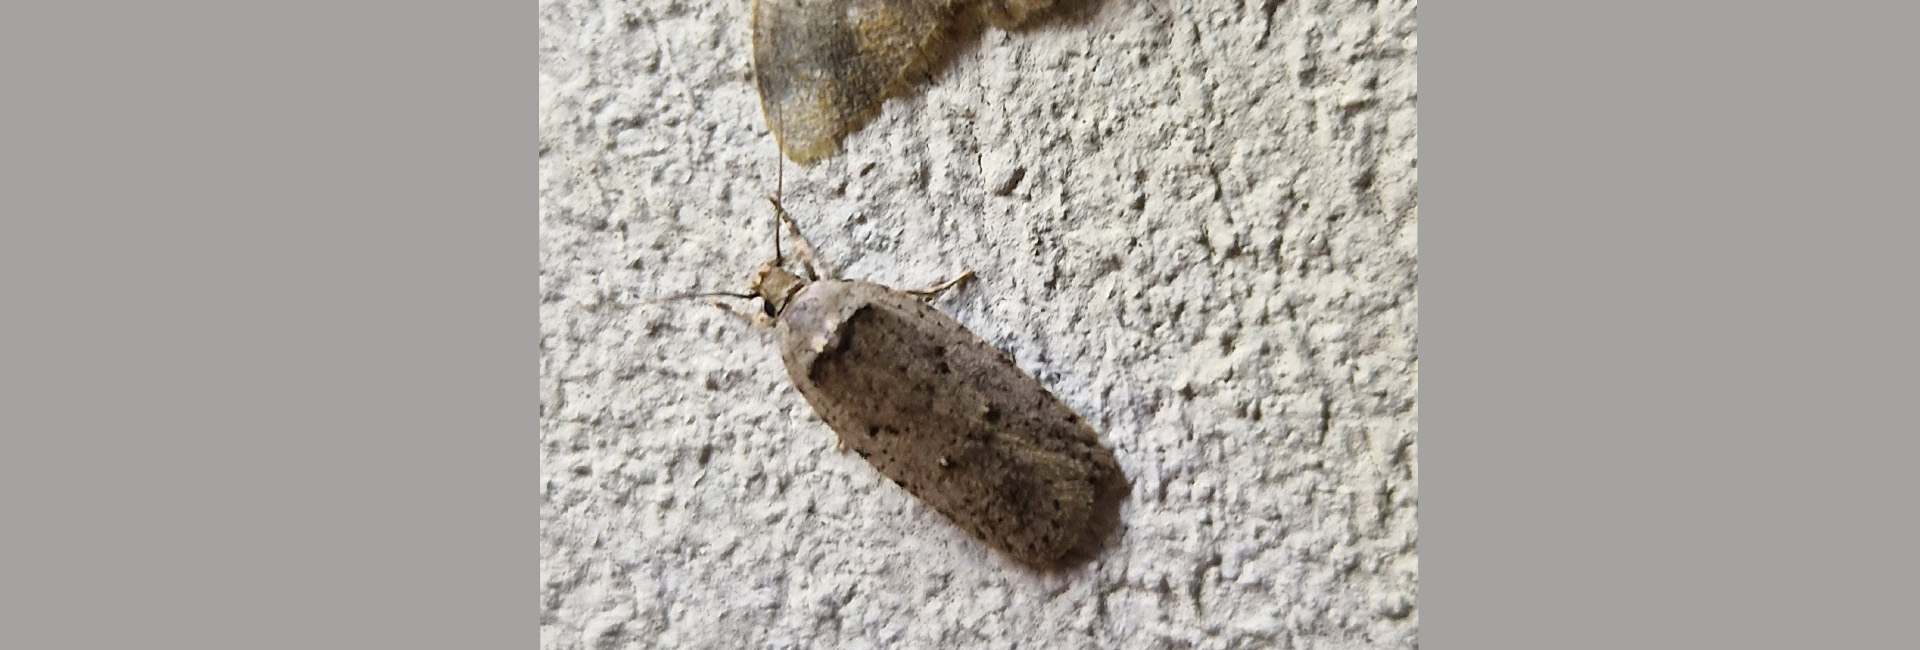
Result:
1209,252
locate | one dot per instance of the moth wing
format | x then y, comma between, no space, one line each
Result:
824,67
949,418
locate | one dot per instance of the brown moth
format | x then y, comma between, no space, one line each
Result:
828,65
941,412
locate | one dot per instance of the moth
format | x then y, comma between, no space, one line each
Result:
824,67
939,411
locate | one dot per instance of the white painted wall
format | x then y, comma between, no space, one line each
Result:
1210,254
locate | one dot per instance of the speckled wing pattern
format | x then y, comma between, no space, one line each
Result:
951,419
825,66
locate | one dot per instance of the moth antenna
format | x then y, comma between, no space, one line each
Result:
779,166
779,176
699,294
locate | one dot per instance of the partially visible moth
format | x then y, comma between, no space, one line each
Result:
824,67
939,411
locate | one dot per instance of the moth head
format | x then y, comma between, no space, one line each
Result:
775,286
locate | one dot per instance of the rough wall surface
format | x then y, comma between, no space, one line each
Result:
1195,221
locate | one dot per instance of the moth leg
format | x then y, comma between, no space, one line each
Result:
935,290
758,319
802,249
